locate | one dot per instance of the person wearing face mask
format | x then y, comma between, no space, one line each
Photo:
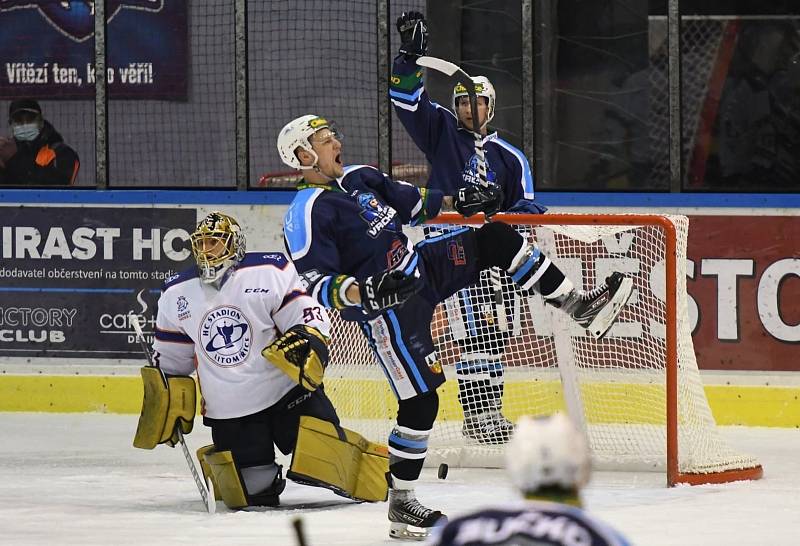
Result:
36,154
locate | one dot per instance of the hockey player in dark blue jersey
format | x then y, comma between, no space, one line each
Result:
446,138
548,462
344,233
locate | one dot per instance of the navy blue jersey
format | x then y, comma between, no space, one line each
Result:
534,523
450,149
353,226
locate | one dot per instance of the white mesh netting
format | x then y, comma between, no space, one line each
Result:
615,386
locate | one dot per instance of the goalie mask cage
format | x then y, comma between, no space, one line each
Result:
637,393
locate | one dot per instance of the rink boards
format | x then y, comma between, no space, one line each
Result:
748,405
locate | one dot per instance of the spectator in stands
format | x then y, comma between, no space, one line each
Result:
36,154
548,462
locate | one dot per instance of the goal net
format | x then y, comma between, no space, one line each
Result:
637,393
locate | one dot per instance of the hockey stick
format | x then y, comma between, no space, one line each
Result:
457,75
206,491
297,524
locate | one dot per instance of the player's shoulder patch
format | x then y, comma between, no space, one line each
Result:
179,278
297,223
251,259
301,206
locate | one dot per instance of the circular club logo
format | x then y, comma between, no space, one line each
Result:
225,335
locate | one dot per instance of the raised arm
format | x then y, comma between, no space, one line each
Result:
421,118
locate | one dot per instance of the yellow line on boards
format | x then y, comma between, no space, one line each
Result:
621,402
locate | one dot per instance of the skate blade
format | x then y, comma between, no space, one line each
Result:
404,531
604,320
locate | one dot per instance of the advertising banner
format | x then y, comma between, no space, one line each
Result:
744,288
48,49
71,277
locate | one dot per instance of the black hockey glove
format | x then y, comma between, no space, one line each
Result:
474,199
413,34
386,289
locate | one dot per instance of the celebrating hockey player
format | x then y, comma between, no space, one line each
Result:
344,233
447,139
215,319
548,463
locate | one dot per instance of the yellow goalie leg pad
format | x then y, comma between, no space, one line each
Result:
225,478
167,403
341,460
204,466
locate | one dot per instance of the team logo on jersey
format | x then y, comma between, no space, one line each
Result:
397,251
377,215
75,18
433,363
455,251
183,308
470,173
226,336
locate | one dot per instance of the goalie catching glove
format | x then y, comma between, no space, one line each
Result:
474,199
301,353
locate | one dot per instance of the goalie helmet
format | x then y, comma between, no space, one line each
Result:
296,134
483,88
547,452
217,244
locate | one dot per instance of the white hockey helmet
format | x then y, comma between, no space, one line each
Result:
547,452
483,88
218,243
296,134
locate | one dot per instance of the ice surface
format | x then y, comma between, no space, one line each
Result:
75,479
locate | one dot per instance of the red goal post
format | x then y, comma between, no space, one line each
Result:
612,387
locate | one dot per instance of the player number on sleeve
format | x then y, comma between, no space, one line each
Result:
311,314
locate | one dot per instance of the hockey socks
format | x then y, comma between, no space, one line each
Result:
407,451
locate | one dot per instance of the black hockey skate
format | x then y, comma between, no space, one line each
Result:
597,309
409,519
489,427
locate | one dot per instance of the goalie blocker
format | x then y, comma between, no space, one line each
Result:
168,403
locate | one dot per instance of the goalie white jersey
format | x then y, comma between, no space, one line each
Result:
221,332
